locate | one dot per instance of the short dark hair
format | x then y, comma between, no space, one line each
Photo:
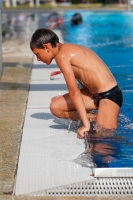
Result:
43,36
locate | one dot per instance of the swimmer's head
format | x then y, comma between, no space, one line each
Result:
76,19
43,36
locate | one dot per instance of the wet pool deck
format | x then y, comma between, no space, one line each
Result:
47,147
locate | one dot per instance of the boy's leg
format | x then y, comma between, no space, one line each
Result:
107,115
106,123
63,107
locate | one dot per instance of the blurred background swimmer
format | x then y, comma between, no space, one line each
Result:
55,19
76,19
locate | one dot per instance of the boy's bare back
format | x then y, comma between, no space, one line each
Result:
88,68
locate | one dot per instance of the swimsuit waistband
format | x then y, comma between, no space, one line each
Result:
115,87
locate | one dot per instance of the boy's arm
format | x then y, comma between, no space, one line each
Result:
64,63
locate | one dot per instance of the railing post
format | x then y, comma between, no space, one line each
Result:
38,3
1,69
7,3
31,3
53,2
129,5
14,4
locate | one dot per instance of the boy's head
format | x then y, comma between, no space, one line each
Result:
42,44
43,36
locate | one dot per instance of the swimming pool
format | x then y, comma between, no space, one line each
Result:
110,35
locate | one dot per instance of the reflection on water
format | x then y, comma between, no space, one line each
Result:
101,145
19,25
106,147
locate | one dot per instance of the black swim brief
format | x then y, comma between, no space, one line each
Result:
113,94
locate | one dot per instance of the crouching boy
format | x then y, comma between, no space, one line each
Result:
99,91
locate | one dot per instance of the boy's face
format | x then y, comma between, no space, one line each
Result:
45,55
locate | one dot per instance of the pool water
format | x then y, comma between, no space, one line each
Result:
110,35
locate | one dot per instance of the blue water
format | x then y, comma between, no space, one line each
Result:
110,35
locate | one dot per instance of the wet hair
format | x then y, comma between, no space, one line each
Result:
76,19
43,36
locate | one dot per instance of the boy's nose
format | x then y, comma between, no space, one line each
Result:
38,59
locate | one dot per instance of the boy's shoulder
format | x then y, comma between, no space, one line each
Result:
64,49
68,47
64,52
72,47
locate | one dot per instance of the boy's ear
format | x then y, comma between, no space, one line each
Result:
47,46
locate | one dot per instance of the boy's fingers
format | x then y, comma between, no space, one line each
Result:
86,133
80,136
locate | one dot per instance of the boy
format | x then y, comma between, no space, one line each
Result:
99,88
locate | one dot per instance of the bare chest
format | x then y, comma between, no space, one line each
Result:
79,75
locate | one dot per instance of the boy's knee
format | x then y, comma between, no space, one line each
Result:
53,108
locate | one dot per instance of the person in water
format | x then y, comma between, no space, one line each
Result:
99,90
76,19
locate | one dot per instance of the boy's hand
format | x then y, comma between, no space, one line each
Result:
82,131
